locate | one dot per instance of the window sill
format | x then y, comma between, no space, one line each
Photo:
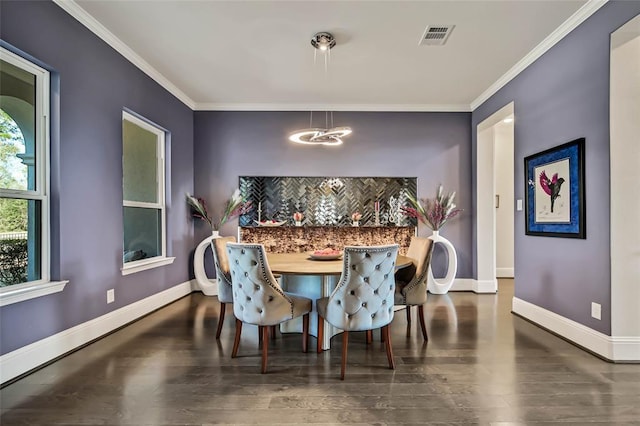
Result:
143,265
21,292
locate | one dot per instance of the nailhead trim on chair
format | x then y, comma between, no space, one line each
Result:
358,297
263,270
357,258
252,304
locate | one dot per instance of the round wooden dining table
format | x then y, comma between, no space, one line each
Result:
303,264
297,268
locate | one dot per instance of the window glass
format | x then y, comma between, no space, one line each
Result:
142,231
17,128
20,244
140,163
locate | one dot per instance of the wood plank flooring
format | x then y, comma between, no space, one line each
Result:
482,365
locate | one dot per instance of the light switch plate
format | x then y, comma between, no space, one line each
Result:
596,310
519,205
111,296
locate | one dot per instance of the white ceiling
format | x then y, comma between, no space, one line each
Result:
256,55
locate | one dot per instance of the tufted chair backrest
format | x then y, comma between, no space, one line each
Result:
223,274
257,297
415,292
363,298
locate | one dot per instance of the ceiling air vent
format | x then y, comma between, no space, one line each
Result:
436,35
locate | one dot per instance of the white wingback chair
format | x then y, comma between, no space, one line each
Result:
258,298
363,299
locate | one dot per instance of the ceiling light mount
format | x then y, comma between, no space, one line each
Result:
323,41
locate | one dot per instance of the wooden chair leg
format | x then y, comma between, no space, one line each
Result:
369,336
345,343
260,336
408,309
265,347
320,333
382,337
305,332
223,307
387,343
236,341
422,325
273,332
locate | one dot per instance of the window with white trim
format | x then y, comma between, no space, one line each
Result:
143,183
24,178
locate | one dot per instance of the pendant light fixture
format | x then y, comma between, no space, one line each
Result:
329,135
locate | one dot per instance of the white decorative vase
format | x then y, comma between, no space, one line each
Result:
442,285
208,286
298,223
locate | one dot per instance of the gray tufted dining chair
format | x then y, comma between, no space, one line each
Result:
414,292
258,298
363,298
223,276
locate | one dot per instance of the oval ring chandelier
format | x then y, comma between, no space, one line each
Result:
324,42
320,136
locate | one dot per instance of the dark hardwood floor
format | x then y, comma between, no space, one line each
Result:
482,365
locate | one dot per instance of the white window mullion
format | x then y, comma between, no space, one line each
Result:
142,205
161,193
21,195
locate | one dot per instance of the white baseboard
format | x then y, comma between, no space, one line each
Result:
477,286
504,273
28,357
462,284
618,348
485,286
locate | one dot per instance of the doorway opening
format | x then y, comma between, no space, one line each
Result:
495,199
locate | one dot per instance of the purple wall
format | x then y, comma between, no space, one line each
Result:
434,147
563,96
95,84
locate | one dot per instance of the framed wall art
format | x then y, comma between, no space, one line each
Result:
555,192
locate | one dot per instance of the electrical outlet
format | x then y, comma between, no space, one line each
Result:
111,296
595,310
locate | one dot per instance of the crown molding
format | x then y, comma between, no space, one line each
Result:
82,16
329,107
567,26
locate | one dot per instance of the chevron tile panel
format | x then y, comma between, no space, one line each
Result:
327,201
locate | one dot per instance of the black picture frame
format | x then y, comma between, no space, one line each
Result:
555,191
